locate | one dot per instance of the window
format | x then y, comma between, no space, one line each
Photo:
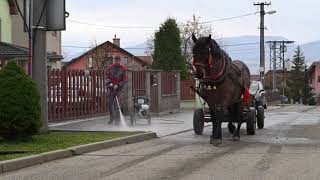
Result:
90,63
125,60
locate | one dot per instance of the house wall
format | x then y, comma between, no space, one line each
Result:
279,79
19,37
315,79
5,20
54,64
82,63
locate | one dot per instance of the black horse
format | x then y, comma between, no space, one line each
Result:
223,83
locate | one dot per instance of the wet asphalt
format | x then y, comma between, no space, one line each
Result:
287,148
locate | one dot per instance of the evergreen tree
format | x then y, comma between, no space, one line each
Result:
296,79
307,95
20,110
167,48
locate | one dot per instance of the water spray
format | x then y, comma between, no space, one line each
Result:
122,119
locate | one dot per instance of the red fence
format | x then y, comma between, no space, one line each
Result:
75,94
186,92
139,83
168,83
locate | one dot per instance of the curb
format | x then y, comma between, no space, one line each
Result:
19,163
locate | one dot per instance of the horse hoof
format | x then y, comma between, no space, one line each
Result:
235,138
215,142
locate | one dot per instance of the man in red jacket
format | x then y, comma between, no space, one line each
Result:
117,78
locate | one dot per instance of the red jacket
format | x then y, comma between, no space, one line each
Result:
117,74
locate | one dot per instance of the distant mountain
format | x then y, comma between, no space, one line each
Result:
247,49
311,51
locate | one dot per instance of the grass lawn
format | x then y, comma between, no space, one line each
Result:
54,141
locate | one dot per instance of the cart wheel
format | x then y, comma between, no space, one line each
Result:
198,123
149,119
260,117
251,122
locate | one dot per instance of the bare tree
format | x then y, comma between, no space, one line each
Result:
149,45
197,27
100,56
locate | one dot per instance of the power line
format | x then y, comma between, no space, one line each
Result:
240,44
85,47
153,27
230,18
109,26
227,45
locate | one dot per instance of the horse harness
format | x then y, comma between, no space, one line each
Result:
217,77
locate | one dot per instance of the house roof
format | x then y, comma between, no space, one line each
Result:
315,63
8,51
137,58
147,59
255,77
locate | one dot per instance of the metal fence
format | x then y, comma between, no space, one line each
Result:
186,91
74,94
169,83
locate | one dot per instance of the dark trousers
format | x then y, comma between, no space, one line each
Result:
113,106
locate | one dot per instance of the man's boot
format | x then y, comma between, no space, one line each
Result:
111,119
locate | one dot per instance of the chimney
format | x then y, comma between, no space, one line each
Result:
116,40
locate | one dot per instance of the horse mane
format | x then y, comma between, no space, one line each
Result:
218,53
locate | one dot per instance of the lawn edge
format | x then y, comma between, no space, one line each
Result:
19,163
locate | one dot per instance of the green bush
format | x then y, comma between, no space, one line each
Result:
20,110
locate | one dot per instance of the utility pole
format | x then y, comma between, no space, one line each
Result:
281,46
39,56
274,78
262,52
282,51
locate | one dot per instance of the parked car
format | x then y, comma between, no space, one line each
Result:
284,99
259,93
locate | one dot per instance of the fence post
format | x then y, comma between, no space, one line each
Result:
129,90
178,88
148,83
159,86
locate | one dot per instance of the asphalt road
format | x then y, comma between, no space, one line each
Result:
287,148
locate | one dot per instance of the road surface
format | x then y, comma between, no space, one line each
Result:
287,148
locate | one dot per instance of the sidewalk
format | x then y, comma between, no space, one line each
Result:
163,125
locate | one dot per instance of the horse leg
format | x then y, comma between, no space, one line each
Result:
216,137
231,126
238,117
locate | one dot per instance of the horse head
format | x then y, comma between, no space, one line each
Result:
205,52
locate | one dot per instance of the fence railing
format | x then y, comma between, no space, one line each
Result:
168,83
186,92
74,94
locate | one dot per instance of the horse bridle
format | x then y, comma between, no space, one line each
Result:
210,61
212,75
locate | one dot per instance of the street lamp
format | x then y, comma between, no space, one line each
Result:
271,12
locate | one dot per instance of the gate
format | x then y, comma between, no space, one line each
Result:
138,83
186,91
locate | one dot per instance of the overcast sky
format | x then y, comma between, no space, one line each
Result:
295,19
